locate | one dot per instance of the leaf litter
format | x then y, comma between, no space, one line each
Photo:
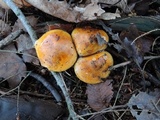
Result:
23,42
10,61
14,66
145,106
29,108
135,49
99,95
5,28
89,10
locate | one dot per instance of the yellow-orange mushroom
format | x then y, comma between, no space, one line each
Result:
85,40
92,69
56,51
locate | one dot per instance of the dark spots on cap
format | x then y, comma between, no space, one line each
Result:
57,37
94,64
92,39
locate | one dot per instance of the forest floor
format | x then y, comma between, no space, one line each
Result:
30,91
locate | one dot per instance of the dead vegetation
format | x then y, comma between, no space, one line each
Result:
132,90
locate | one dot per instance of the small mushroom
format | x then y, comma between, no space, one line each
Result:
92,69
56,51
85,40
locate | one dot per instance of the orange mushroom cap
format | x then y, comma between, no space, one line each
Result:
56,50
85,40
92,69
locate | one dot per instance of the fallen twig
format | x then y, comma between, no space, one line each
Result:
144,34
10,38
128,62
63,87
109,109
59,9
48,86
22,18
124,76
6,93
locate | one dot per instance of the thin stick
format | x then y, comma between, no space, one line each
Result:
109,109
63,87
124,76
18,87
10,38
6,93
119,65
22,18
145,34
154,42
48,86
10,51
128,62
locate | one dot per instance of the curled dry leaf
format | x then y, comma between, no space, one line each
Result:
12,67
145,106
92,11
59,9
62,10
119,3
99,95
139,47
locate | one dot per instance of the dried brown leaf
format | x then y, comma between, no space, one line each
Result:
19,3
18,24
5,28
2,13
142,7
145,106
119,3
24,43
62,10
12,67
30,56
99,95
25,46
92,11
29,108
139,47
59,9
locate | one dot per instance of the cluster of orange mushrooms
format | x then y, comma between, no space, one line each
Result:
58,51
